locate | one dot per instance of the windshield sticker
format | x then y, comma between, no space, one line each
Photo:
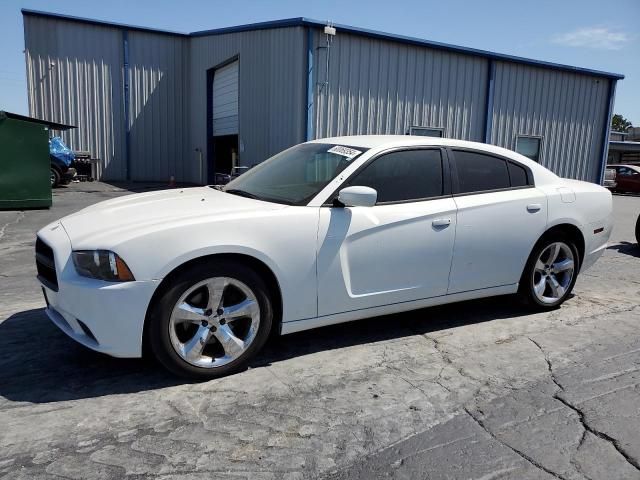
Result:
344,151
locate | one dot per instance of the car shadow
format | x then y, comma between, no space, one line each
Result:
40,364
390,327
626,248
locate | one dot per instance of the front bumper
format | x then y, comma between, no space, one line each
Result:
69,175
105,316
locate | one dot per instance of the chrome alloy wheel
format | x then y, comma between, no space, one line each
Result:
214,322
553,272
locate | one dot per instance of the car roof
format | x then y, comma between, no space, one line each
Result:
383,142
391,141
627,165
375,141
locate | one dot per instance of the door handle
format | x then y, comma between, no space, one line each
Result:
534,207
441,222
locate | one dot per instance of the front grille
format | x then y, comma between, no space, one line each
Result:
46,265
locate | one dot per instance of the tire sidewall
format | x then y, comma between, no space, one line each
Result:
526,283
160,315
56,177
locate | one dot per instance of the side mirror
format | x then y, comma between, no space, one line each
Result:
358,197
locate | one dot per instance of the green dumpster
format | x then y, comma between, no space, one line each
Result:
24,161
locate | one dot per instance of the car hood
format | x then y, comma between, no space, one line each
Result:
112,221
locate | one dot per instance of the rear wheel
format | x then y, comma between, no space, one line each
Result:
638,230
211,320
550,273
54,177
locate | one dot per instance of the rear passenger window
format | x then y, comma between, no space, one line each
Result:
403,176
518,175
478,172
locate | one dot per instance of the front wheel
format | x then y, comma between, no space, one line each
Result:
550,273
211,320
638,230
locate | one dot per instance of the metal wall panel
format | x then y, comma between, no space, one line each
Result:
74,76
271,92
385,87
158,107
86,88
567,110
225,100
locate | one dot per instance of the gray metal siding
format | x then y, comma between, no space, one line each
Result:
271,92
158,103
385,87
567,110
83,87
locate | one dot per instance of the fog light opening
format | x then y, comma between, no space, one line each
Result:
87,331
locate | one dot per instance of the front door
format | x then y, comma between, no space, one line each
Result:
396,251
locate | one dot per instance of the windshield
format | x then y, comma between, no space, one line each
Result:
295,176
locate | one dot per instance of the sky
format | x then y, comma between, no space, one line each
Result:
585,33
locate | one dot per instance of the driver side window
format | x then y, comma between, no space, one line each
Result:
408,175
627,172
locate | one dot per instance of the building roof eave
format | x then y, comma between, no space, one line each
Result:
309,22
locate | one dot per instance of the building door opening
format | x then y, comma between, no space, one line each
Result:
223,118
225,151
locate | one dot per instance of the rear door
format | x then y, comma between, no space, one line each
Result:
396,251
500,217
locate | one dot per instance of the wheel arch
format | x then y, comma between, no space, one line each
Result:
267,274
560,231
566,229
573,232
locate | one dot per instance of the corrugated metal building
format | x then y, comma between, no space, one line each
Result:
153,104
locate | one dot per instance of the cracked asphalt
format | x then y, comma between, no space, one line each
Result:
476,390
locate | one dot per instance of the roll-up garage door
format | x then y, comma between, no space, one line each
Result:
225,100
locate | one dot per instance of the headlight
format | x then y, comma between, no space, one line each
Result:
101,264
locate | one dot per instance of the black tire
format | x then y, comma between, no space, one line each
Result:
526,290
638,230
54,177
159,318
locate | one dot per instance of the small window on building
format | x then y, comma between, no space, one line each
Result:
427,131
529,147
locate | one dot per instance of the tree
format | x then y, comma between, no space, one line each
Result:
619,123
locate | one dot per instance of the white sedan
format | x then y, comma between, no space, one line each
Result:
328,231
